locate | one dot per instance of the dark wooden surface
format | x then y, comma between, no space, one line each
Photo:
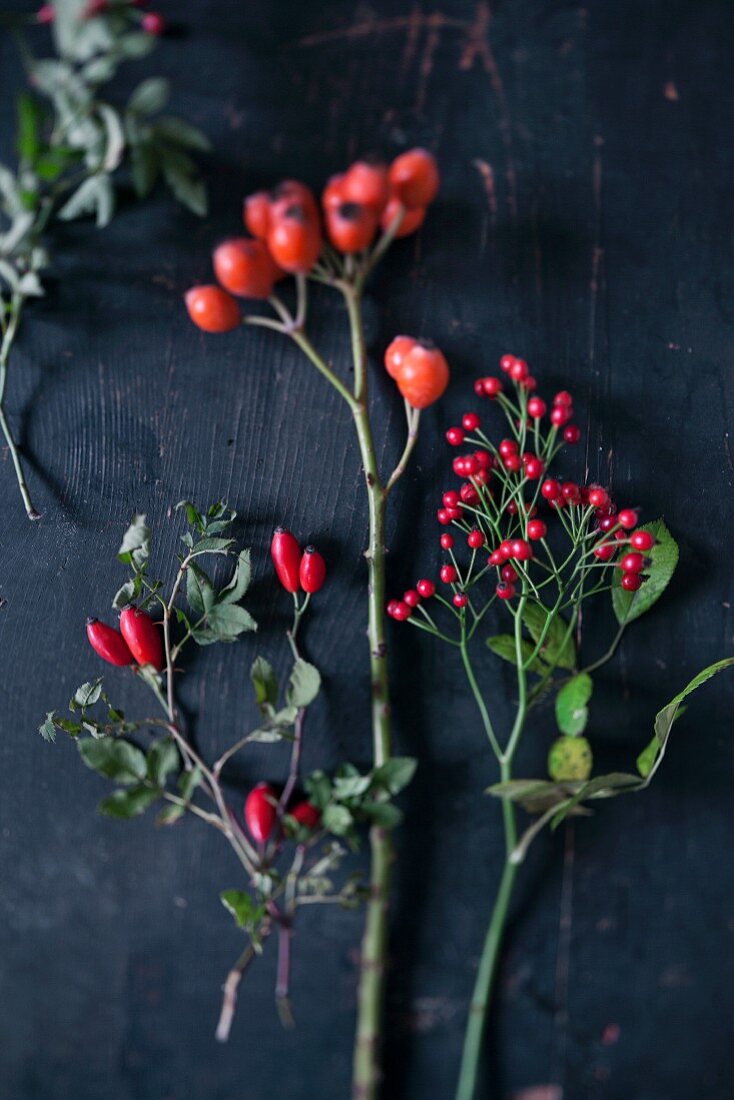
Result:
585,222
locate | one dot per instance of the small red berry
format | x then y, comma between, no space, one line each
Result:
560,415
529,383
470,422
460,599
45,14
153,23
469,495
571,492
491,386
471,466
505,591
537,529
426,588
448,574
450,499
485,459
366,183
627,518
598,498
536,407
475,540
571,433
414,178
411,221
443,517
604,551
212,309
506,362
455,437
508,447
423,376
631,581
563,398
396,352
294,237
513,463
256,214
521,550
642,540
245,267
495,558
411,597
534,468
351,226
508,573
632,563
447,541
519,370
286,555
511,508
401,611
505,549
606,523
455,513
306,815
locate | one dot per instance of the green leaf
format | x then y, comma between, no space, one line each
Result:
30,117
395,774
88,694
558,647
212,546
151,96
382,813
178,132
170,814
129,803
115,759
351,786
572,712
504,646
93,196
188,781
136,45
163,759
265,682
47,729
193,516
317,786
124,595
663,556
304,684
337,819
602,786
650,758
199,589
135,547
242,907
237,587
229,620
144,168
186,187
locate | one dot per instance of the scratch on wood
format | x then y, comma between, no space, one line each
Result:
415,23
426,67
727,451
486,172
563,955
479,46
366,28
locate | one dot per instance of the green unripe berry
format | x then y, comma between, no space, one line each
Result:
570,759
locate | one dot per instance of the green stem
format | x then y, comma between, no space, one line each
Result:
7,343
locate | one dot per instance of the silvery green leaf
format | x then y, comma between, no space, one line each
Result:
135,546
304,684
115,137
94,195
182,133
135,45
240,582
30,285
151,96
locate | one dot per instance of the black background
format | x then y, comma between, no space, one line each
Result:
603,253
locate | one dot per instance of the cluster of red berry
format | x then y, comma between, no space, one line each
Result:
152,22
262,811
288,230
513,468
296,569
137,640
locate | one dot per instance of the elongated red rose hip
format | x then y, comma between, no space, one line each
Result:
108,643
286,555
260,812
312,570
142,636
306,814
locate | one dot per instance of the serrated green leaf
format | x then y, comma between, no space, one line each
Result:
128,803
503,645
602,786
304,684
185,185
650,758
113,758
88,694
144,168
188,781
228,621
170,814
163,759
663,556
124,595
199,589
242,906
317,786
30,117
240,582
395,774
135,546
572,712
351,786
382,813
93,196
265,682
212,546
178,132
558,647
47,729
337,819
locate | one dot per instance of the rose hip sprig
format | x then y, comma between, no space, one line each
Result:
528,544
337,243
287,837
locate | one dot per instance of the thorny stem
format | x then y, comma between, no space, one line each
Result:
9,330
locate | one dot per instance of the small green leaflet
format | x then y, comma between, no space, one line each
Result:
243,908
504,646
150,96
572,712
628,606
304,684
128,803
199,589
135,547
265,682
650,758
115,759
395,774
237,587
163,759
